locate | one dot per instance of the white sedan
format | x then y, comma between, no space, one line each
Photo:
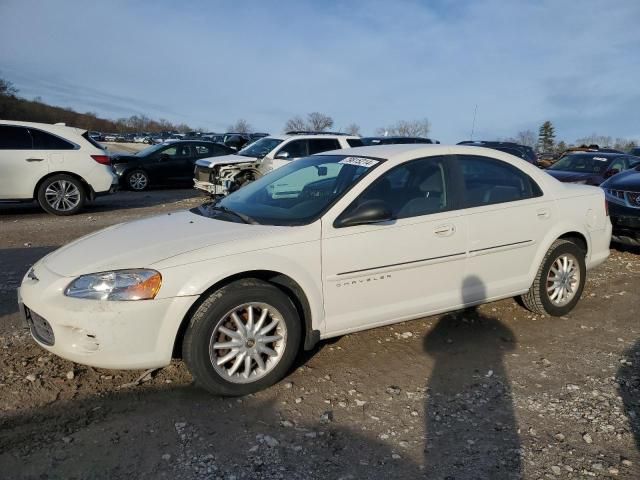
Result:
327,245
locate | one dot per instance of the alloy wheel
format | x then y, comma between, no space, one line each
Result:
138,181
248,342
62,195
563,279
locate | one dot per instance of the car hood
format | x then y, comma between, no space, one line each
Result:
225,160
628,181
565,176
143,243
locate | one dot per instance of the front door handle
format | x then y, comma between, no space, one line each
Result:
444,230
35,159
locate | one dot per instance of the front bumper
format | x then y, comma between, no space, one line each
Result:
626,224
103,334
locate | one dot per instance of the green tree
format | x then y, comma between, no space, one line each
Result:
546,137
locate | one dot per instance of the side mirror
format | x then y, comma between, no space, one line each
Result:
282,155
611,173
371,211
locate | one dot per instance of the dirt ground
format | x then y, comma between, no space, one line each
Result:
491,393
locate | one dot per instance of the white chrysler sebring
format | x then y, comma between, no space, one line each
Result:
329,244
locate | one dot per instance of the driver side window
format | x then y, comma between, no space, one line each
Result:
295,149
416,188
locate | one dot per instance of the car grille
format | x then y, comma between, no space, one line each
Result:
632,199
40,328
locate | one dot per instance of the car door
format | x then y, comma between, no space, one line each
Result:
507,216
170,164
290,151
400,269
20,167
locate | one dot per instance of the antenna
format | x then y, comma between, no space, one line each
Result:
473,125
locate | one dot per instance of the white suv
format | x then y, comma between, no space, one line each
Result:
61,167
222,175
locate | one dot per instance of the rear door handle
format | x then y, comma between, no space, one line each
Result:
35,160
543,213
444,230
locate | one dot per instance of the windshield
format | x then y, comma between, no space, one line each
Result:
295,194
582,163
150,150
260,148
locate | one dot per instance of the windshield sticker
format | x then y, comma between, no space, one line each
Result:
359,161
602,159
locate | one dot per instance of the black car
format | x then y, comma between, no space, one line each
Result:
521,151
591,168
164,164
622,192
393,140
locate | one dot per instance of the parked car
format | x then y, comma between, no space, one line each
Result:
327,245
164,164
394,140
58,166
590,168
522,151
623,196
222,175
142,138
110,137
96,136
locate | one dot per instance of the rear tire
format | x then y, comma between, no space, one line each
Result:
231,327
137,180
559,282
62,195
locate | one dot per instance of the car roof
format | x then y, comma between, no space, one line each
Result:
60,129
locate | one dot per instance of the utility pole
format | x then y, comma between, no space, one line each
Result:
473,125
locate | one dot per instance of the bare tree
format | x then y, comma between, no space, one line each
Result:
595,139
295,124
240,126
353,129
319,122
407,128
7,89
526,137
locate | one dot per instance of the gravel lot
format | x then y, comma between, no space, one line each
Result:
489,393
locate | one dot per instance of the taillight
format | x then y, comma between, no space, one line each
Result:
102,159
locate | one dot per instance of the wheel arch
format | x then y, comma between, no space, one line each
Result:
285,283
569,232
87,188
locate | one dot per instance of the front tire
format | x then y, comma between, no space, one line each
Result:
243,338
62,195
559,282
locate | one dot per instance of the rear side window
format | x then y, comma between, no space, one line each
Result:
14,138
489,181
318,145
355,142
46,141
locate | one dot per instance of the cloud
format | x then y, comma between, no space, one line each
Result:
373,63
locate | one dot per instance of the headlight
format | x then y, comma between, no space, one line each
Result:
117,285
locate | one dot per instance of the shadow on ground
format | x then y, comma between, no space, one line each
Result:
629,388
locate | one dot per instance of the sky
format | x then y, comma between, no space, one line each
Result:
209,63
